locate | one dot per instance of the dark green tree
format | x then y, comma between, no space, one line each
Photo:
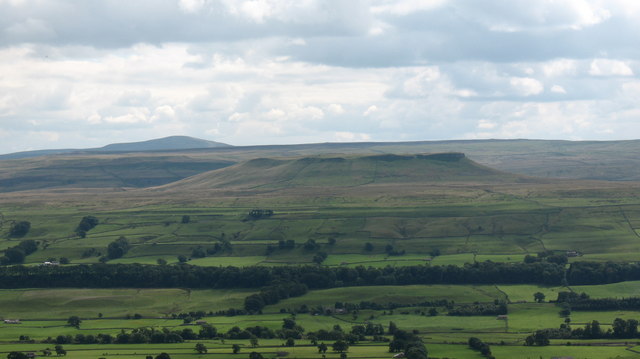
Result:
20,229
60,350
320,257
200,348
17,355
14,255
74,321
290,342
86,224
340,346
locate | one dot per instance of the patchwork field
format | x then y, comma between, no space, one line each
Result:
44,314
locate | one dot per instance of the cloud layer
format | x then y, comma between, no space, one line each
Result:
88,73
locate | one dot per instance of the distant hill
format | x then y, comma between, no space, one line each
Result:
171,143
153,163
163,144
346,171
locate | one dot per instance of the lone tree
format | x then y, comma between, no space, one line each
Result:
322,348
74,321
340,346
290,342
368,247
163,356
235,348
201,348
60,350
539,297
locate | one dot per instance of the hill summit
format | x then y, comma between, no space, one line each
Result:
345,171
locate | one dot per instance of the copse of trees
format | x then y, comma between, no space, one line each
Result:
19,229
499,308
409,343
584,303
273,294
255,214
86,224
118,248
547,256
585,273
17,254
482,347
620,329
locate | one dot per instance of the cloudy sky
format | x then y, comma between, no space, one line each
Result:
87,73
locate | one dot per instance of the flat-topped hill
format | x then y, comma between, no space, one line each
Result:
346,171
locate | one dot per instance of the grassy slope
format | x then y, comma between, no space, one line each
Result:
465,221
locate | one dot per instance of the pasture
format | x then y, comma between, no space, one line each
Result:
44,314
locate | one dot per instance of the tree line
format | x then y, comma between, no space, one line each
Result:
620,329
314,277
583,302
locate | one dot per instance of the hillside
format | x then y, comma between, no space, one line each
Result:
99,171
171,143
346,171
104,168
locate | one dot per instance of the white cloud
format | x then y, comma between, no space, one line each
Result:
336,109
526,86
350,136
405,7
562,67
371,109
607,67
191,6
524,15
486,124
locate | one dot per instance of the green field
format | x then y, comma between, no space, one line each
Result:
87,303
44,313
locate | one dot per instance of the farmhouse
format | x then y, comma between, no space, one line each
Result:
12,321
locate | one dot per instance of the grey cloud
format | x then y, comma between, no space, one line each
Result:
120,24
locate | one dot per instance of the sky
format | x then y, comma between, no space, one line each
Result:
78,74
